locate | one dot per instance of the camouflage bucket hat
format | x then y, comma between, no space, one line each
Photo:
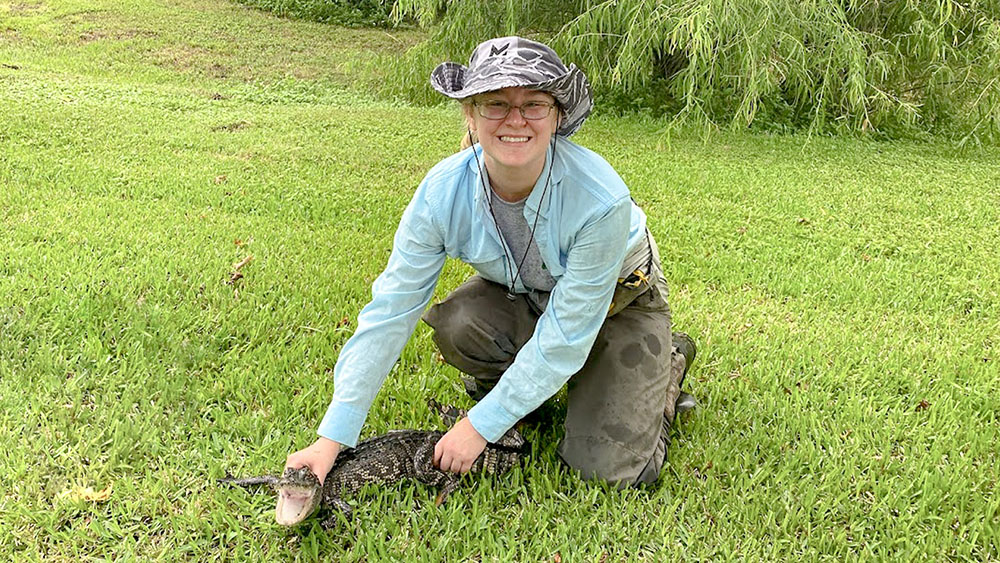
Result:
508,62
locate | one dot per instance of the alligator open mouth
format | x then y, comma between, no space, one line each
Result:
295,504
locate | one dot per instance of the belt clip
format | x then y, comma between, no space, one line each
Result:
640,279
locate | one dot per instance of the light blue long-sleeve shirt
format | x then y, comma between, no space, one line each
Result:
586,223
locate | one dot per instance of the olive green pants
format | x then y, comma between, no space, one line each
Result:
620,405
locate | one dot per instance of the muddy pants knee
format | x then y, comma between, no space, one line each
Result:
616,428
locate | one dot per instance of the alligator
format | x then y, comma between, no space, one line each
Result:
388,458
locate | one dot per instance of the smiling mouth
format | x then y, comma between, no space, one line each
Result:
510,139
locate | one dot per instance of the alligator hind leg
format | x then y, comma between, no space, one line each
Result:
425,472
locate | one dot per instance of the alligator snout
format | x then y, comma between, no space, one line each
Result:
299,494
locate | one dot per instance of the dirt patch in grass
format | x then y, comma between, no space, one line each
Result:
231,127
92,35
189,58
82,16
181,56
10,36
23,8
220,64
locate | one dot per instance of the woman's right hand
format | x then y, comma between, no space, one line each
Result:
318,457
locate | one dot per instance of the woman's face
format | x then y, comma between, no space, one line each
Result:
513,142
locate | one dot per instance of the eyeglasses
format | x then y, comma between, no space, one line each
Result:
495,109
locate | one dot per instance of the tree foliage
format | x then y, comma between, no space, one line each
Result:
864,65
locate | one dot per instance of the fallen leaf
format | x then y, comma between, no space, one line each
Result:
220,179
922,405
239,265
76,492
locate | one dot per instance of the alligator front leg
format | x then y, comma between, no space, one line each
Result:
451,484
340,507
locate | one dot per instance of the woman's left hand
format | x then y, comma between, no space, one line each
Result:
458,448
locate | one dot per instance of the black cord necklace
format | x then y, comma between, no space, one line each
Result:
509,257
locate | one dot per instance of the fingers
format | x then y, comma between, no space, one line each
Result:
453,465
307,457
438,454
444,459
318,457
295,460
458,449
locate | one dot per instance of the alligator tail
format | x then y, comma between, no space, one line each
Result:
269,480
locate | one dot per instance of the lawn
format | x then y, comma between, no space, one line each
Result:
844,294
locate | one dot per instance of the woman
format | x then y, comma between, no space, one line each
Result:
569,284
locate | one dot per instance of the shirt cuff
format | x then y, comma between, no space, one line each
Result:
342,423
490,419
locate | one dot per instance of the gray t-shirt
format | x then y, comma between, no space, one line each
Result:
517,234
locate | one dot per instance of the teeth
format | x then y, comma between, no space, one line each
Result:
514,139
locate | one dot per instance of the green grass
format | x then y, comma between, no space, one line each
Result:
843,293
